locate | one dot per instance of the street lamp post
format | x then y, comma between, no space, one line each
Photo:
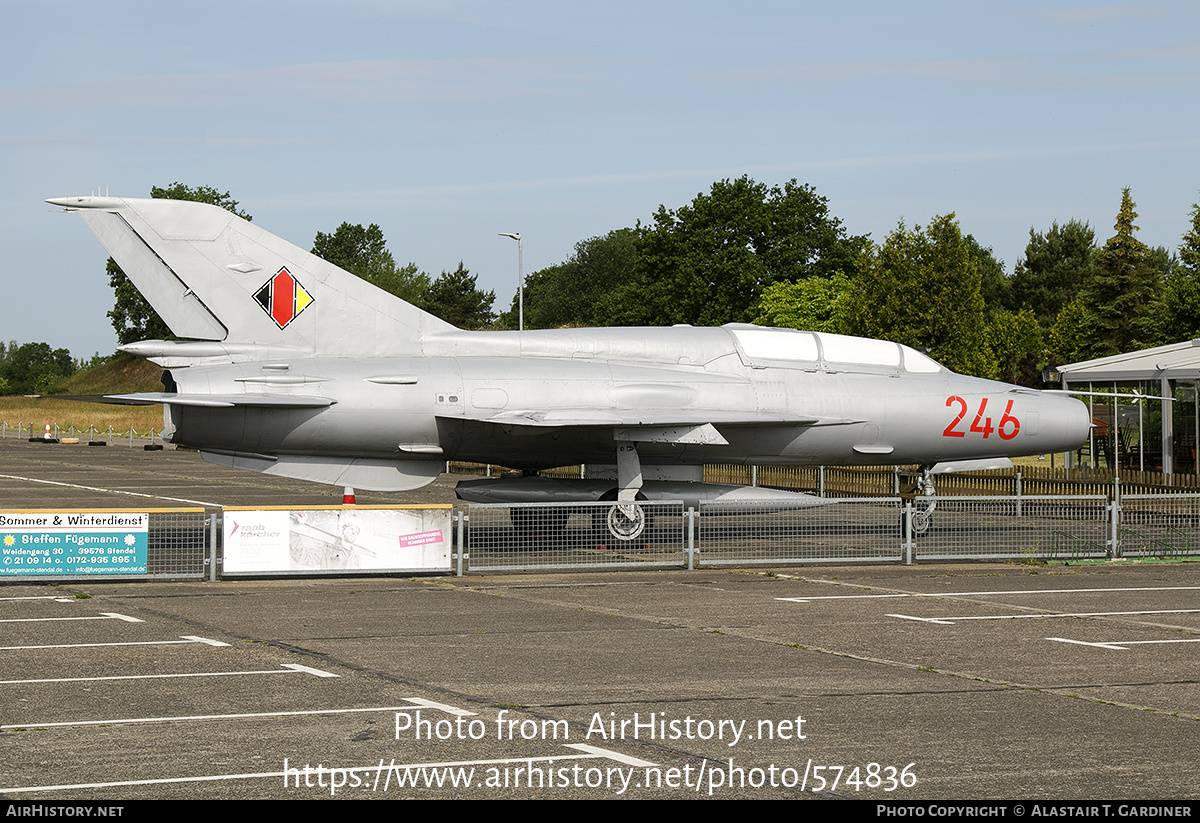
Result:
520,279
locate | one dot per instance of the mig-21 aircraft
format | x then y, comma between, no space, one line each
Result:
291,366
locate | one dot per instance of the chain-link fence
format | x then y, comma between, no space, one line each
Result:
180,543
1024,528
575,535
1159,525
877,530
867,529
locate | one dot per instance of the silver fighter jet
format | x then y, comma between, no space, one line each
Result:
292,366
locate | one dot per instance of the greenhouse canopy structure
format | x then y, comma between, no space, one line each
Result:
1143,406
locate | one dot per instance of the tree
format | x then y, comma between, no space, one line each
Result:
1017,347
35,368
580,290
1183,285
707,263
921,288
994,285
132,316
1124,297
1056,266
363,252
1067,342
812,304
454,298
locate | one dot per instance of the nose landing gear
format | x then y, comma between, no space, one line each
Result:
924,499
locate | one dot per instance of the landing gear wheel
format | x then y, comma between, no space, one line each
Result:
626,521
923,499
922,518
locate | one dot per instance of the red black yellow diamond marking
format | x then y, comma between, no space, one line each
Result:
283,298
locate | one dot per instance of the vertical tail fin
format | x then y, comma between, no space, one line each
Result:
213,276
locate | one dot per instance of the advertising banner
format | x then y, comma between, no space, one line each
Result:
40,543
337,540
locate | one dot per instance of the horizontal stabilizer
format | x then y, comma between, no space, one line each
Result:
214,400
952,466
358,473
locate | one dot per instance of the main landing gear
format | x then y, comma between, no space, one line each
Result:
924,500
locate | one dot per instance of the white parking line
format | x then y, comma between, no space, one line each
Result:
187,639
101,616
109,491
289,668
421,704
429,704
610,755
57,597
1122,645
992,593
950,621
586,753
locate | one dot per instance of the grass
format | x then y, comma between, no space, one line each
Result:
121,375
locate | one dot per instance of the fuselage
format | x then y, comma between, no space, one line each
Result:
538,399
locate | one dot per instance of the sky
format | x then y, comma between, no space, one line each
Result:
449,122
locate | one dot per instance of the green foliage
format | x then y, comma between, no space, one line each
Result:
1056,266
707,263
454,298
811,304
34,368
1183,285
579,291
364,252
1068,336
1125,293
921,288
118,374
1017,347
132,316
994,286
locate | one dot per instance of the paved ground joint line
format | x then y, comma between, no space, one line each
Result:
109,491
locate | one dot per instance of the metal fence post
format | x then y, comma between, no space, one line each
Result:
458,560
907,559
691,539
820,481
1114,546
1019,506
213,531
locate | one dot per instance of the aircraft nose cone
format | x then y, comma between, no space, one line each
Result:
1066,422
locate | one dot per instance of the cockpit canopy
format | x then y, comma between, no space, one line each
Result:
831,352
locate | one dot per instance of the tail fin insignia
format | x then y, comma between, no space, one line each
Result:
283,298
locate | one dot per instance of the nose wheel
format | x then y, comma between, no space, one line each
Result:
626,521
924,500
